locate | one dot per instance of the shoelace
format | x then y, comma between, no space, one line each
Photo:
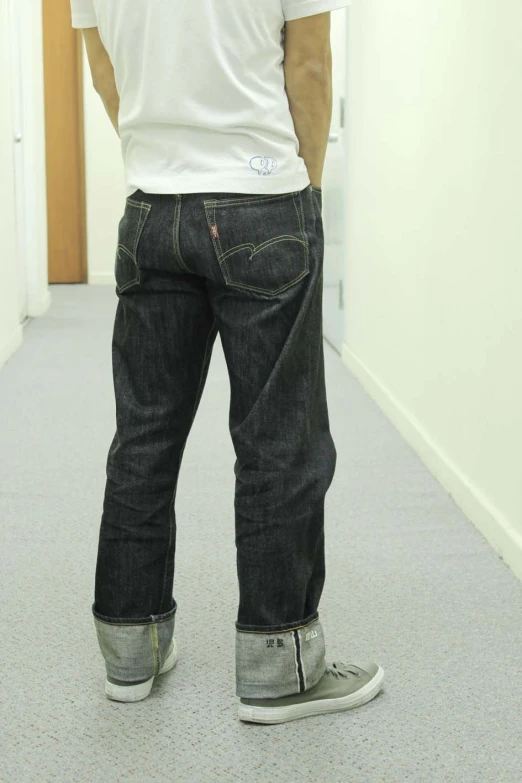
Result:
342,669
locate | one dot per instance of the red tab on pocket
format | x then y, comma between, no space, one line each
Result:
214,231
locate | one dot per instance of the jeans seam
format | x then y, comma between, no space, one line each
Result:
226,202
286,630
204,364
313,205
300,220
175,235
151,619
144,214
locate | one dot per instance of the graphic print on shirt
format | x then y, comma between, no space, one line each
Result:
263,164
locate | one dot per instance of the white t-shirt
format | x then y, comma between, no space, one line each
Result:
203,106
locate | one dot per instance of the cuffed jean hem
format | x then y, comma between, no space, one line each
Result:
272,664
277,628
135,649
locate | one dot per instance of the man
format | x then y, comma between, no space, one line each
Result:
223,108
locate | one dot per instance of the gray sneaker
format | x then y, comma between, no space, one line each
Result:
342,687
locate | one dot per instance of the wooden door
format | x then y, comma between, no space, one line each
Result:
65,158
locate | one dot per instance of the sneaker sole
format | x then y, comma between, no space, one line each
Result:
318,707
133,693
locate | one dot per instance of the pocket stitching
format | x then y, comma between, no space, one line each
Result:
246,287
145,211
262,246
227,202
233,284
301,225
210,207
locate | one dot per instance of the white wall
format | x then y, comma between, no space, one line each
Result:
10,329
34,183
23,208
434,283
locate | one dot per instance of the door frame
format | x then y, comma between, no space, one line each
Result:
17,90
65,157
27,83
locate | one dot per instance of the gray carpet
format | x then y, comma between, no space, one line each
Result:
410,583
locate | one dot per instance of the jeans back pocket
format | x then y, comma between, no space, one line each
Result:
126,270
260,241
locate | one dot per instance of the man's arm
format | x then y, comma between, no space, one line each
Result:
308,83
102,73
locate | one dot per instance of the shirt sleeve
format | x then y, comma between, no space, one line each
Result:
83,14
296,9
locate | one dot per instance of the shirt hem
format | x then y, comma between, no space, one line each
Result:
220,185
299,10
80,21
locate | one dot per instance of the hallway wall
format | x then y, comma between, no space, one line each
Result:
22,184
10,328
434,281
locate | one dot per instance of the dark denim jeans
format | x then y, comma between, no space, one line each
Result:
251,268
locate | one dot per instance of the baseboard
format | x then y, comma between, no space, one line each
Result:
496,529
9,346
39,306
